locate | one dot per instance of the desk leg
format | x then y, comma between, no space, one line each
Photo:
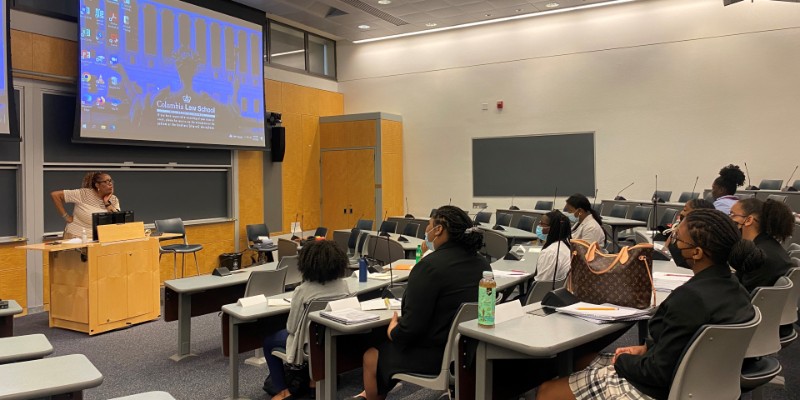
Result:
68,396
614,244
565,363
329,383
233,357
184,327
483,373
7,326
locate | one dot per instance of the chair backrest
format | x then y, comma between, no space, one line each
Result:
172,225
495,244
686,196
777,197
352,240
619,211
741,196
540,289
341,238
526,223
662,196
293,275
483,217
433,211
597,207
668,217
256,230
362,240
385,250
411,229
364,224
467,311
321,231
268,283
388,226
286,247
503,219
770,184
796,184
711,364
789,315
641,213
543,205
770,300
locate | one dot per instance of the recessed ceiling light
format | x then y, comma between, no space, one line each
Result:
363,27
384,2
552,5
431,24
518,10
487,15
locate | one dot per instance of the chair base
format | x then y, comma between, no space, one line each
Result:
759,371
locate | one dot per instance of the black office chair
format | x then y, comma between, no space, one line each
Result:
263,250
433,211
686,196
353,240
526,223
364,224
619,211
175,225
668,217
503,219
321,231
796,185
388,227
740,196
777,197
771,184
662,196
543,205
597,207
411,229
483,217
641,213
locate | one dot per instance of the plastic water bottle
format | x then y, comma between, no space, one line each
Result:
83,236
419,252
362,269
486,300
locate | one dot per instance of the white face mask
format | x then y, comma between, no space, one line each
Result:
429,242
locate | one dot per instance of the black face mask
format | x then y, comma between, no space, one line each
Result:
677,255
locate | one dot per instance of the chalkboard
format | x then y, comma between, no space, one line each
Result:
533,165
8,202
152,194
9,150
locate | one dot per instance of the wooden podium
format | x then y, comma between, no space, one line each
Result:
101,286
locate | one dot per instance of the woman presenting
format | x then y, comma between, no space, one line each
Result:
96,195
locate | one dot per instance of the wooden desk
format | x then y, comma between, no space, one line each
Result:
98,287
7,318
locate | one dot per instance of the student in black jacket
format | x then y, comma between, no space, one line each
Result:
706,242
437,287
767,224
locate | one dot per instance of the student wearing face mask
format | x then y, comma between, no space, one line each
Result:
767,224
707,242
554,260
586,221
437,286
691,205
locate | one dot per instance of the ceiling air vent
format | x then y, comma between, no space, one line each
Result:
374,11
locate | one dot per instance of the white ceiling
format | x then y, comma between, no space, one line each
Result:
341,18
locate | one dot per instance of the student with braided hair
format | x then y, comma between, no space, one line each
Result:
707,242
767,224
724,187
437,286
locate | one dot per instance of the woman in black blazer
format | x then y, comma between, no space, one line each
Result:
437,286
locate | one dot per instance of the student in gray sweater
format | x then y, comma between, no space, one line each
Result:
322,265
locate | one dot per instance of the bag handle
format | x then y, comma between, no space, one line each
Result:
650,275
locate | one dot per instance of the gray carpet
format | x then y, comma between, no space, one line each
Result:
137,360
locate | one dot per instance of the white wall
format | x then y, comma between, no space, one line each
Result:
677,88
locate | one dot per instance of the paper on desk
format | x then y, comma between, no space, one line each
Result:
510,274
402,267
284,302
348,302
606,312
252,300
72,241
380,304
296,227
507,311
667,282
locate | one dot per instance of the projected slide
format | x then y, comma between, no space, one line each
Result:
168,71
5,127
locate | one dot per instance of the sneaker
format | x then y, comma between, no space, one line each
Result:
268,387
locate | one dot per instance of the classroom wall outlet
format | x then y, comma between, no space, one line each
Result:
484,106
479,205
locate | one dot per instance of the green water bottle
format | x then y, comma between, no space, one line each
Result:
419,252
486,300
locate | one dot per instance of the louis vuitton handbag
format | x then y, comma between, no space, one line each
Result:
624,279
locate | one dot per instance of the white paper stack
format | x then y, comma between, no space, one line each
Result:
605,313
381,304
509,274
251,301
349,316
265,240
667,282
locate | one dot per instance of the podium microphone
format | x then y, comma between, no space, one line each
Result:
788,188
618,197
749,186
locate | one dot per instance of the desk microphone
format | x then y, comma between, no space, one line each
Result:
475,217
294,227
695,186
408,214
383,232
389,292
513,207
749,186
555,194
355,223
788,188
594,202
450,202
618,197
656,200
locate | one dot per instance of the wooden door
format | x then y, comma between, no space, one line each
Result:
112,286
139,263
348,183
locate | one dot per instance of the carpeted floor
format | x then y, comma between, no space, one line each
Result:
137,360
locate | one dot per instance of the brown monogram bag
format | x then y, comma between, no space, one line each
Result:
624,279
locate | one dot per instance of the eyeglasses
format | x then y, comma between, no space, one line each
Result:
691,245
107,181
741,215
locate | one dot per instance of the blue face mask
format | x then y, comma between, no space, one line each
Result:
429,243
540,234
572,218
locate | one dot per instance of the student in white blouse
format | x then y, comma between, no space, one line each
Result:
587,221
554,261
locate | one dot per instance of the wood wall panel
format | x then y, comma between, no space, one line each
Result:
311,176
13,275
392,167
292,169
216,239
338,135
330,103
272,92
251,192
21,50
300,99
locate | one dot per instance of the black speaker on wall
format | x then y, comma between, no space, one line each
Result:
278,141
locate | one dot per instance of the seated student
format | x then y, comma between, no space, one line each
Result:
706,242
767,224
554,232
691,205
436,288
724,187
322,265
587,222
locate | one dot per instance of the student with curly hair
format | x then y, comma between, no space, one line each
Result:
724,187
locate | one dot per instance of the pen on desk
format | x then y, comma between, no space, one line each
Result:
287,300
388,304
597,308
680,275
